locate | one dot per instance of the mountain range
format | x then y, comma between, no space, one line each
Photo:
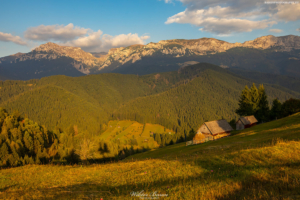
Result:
267,54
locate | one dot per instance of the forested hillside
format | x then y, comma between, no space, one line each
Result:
211,96
179,100
288,82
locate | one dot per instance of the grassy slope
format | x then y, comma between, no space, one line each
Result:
125,130
258,163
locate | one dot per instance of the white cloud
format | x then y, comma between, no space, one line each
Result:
219,20
88,43
84,38
226,17
167,1
276,30
145,37
55,32
7,37
290,12
122,40
95,42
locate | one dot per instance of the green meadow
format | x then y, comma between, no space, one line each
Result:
262,162
124,130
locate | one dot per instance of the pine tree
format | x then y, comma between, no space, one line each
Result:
263,110
163,141
3,151
192,134
158,138
276,109
255,98
245,103
71,131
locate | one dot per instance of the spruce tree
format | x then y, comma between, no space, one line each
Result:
255,98
276,109
158,138
245,103
192,134
263,110
163,141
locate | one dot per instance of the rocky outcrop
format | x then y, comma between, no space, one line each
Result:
83,61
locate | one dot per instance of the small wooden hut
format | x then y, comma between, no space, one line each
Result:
214,129
246,122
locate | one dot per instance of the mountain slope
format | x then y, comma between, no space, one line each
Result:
178,100
212,95
268,54
288,82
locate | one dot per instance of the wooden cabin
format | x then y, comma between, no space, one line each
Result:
246,122
214,130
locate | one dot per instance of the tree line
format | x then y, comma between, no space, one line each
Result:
254,101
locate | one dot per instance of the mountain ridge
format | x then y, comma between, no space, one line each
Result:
143,59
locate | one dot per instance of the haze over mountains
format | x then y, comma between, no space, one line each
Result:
268,54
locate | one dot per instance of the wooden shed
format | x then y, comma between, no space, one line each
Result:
246,122
215,129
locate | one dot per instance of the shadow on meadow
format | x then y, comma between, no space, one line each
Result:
250,186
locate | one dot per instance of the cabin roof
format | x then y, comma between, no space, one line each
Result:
248,120
218,126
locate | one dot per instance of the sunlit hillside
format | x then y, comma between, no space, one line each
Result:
122,132
258,163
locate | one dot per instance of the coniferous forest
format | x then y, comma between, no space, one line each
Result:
70,114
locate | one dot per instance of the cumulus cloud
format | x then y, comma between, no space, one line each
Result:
84,38
88,43
7,37
95,41
232,16
145,37
122,40
289,12
276,30
55,32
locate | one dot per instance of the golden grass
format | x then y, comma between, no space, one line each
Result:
253,164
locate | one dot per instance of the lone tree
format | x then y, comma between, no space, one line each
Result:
86,149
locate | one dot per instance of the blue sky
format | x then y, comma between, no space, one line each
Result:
101,25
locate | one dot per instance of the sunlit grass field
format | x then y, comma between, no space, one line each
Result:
125,130
262,162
